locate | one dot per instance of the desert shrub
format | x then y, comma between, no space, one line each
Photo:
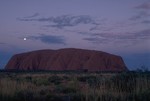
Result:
107,97
41,81
28,78
93,81
42,92
51,97
65,90
77,97
55,79
86,78
125,82
23,96
82,78
6,98
66,78
143,96
69,97
11,75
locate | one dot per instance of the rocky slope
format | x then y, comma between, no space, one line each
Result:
66,59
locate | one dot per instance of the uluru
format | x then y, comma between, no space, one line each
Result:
66,59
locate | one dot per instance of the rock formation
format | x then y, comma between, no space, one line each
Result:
66,59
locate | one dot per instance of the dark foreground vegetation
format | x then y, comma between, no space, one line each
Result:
72,86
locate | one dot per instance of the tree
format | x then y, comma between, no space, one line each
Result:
143,68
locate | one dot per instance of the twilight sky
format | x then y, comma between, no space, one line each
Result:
120,27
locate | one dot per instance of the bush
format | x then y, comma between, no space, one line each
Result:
143,96
23,96
55,79
86,78
66,78
43,92
41,81
50,97
77,97
125,82
28,78
65,90
93,81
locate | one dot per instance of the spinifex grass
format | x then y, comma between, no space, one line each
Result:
75,86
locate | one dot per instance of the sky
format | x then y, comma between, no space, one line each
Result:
120,27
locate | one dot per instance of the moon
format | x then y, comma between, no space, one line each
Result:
24,39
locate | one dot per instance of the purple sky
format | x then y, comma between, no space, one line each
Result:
120,27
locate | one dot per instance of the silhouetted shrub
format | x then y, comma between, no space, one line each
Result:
93,81
41,81
55,79
43,92
86,78
143,96
77,97
50,97
125,82
23,96
65,90
28,78
66,78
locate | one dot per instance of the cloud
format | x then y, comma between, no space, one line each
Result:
1,43
142,13
64,20
146,22
32,16
49,39
118,38
97,40
140,16
145,6
144,34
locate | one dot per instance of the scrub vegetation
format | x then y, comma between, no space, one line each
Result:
48,86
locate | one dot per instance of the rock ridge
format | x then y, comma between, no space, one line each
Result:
66,59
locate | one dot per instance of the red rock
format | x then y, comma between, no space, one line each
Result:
66,59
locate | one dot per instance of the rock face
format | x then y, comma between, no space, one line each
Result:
66,59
